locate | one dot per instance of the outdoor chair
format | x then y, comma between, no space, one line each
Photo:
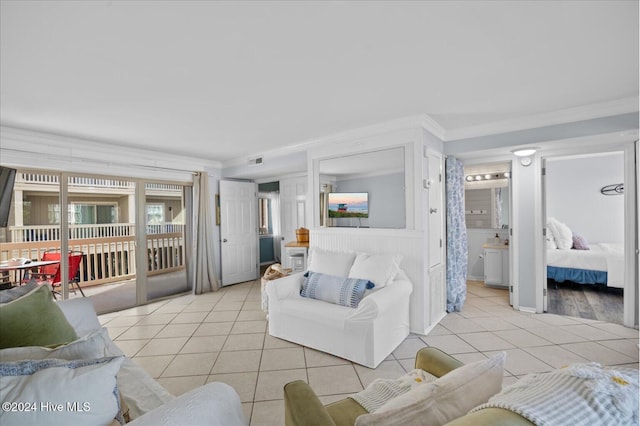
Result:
50,274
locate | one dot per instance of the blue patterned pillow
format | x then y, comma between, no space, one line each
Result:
337,290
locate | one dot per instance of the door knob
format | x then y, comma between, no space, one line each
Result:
224,240
432,210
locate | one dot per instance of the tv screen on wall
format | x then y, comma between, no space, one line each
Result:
348,204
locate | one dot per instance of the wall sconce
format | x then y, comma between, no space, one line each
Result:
525,155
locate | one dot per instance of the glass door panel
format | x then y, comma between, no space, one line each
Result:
33,226
102,231
166,227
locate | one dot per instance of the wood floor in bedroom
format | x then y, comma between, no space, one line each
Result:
585,301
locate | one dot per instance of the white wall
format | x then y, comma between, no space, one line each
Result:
573,195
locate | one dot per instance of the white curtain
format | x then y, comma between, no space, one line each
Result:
204,268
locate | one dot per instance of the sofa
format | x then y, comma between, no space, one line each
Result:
142,400
365,333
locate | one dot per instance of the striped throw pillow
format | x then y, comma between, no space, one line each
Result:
333,289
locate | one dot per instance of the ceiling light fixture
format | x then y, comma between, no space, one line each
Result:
524,152
525,155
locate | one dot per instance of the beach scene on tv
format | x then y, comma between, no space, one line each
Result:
348,204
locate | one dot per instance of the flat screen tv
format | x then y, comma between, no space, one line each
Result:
348,204
7,177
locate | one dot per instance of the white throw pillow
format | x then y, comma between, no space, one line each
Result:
561,232
380,269
439,402
330,262
96,344
59,392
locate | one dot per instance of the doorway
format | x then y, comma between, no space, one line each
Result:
584,211
269,223
488,217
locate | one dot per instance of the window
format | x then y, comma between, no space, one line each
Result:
264,216
155,213
84,214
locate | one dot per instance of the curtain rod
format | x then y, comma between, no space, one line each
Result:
98,161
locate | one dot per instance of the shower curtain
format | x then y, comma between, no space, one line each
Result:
456,236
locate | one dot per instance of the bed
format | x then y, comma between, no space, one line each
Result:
602,264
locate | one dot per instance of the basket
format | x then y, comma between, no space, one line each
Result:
302,235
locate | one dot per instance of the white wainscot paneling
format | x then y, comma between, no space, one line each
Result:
408,243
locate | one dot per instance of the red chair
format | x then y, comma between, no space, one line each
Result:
50,274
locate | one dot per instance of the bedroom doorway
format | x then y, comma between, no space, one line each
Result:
584,217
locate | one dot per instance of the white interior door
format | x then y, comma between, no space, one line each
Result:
238,231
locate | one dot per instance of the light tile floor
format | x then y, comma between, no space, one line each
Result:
188,341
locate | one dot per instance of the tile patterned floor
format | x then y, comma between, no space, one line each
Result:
191,340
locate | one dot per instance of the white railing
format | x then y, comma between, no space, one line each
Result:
20,234
110,259
81,181
165,228
164,186
46,179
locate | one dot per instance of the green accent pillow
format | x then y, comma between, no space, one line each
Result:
34,319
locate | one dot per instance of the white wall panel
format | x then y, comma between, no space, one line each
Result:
410,244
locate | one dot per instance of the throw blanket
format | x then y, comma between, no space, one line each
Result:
580,394
383,390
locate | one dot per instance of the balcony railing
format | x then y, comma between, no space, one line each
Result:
91,182
109,259
78,232
46,179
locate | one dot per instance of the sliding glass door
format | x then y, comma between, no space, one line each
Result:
166,224
125,238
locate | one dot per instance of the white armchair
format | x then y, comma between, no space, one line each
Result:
365,335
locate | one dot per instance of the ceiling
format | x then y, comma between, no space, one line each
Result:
228,80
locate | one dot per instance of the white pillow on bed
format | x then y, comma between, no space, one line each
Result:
561,232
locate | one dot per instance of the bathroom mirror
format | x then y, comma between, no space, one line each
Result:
364,190
487,196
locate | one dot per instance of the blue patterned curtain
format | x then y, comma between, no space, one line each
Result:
457,250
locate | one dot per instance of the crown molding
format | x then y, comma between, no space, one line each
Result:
414,121
569,115
27,142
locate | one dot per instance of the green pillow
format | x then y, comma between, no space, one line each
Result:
34,319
